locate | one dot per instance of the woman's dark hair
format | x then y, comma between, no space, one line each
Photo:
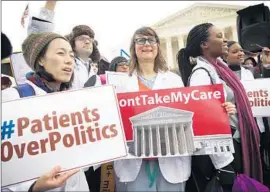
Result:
230,43
44,74
197,35
160,63
6,81
253,61
95,56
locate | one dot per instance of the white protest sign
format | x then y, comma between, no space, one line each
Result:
118,79
20,68
72,129
258,92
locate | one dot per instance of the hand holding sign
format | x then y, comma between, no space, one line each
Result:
229,107
53,179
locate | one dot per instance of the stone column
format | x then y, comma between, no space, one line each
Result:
175,141
158,141
189,138
167,140
135,140
182,139
180,40
169,52
142,142
151,153
223,32
234,33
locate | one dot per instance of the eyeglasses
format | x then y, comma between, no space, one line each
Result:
123,64
142,41
82,38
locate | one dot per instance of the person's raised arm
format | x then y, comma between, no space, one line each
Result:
44,22
265,58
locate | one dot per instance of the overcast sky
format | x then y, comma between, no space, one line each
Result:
113,21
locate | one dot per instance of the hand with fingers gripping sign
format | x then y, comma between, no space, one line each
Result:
52,180
230,108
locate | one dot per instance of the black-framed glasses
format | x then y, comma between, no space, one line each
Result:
83,38
142,40
123,63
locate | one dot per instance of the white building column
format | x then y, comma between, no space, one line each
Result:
189,138
223,32
158,141
142,142
175,140
151,152
169,52
182,139
135,140
167,140
180,40
234,33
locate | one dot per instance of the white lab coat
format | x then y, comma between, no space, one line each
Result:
174,169
75,183
201,77
82,74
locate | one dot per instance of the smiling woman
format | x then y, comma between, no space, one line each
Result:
207,44
235,61
145,50
149,71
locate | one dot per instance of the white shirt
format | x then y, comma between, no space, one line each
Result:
201,77
81,73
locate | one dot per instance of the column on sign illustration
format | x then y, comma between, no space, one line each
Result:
161,132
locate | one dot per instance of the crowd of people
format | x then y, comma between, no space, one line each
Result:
73,61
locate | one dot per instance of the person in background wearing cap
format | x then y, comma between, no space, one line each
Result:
86,51
6,47
5,83
119,64
81,39
249,63
51,58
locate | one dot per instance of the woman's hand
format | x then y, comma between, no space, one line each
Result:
53,179
230,108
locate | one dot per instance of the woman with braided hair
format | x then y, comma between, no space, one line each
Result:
206,43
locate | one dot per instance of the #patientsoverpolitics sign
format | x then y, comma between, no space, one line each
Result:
174,122
72,129
258,92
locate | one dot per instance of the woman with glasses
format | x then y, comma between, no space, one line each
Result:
119,64
148,71
86,51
